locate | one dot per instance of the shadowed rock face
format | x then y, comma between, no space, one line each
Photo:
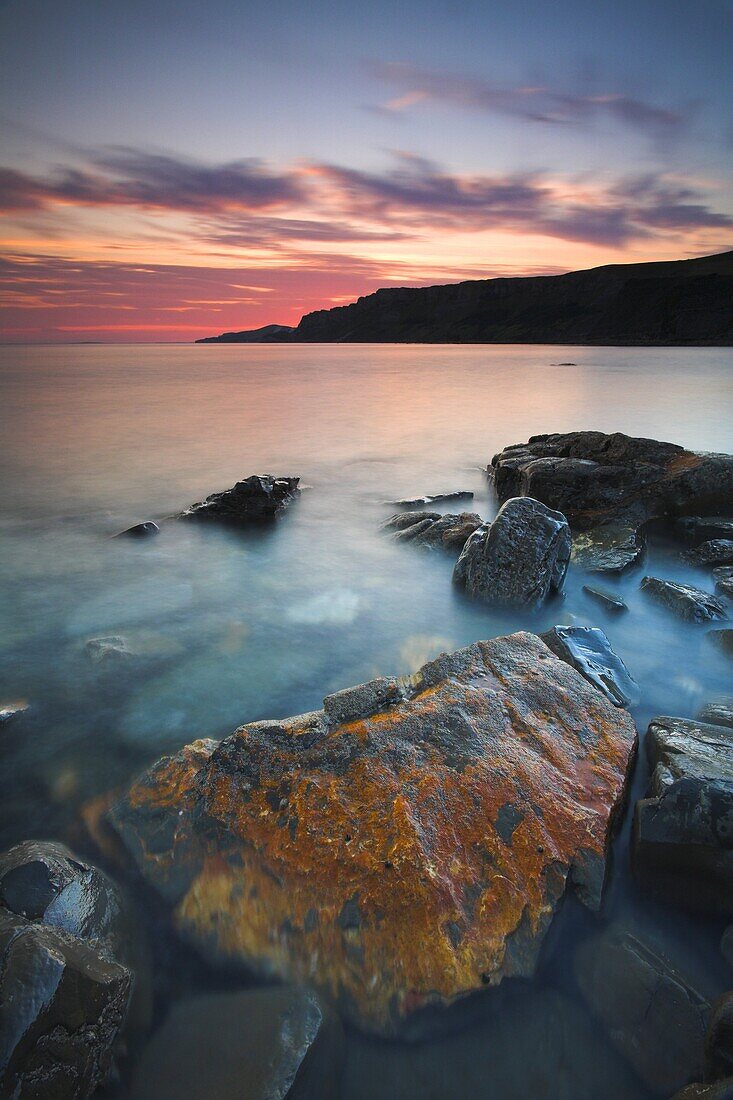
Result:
433,529
596,479
257,498
518,560
401,848
588,650
684,600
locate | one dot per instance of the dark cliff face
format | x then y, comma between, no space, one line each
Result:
683,302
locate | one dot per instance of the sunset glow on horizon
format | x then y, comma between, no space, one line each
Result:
249,166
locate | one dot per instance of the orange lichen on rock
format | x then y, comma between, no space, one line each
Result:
399,858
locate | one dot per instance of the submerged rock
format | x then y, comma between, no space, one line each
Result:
651,1015
62,1005
433,529
609,548
611,601
723,577
723,639
8,711
519,559
140,531
685,600
112,648
718,713
683,833
402,848
259,497
421,502
587,649
262,1044
697,529
714,552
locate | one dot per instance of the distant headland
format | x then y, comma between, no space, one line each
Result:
674,303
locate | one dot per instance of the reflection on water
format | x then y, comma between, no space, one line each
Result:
225,627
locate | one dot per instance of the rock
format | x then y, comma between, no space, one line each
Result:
587,649
682,839
421,502
257,498
112,648
395,858
8,711
721,1090
719,713
62,1004
263,1044
723,639
433,529
714,552
651,1015
697,529
719,1041
726,945
685,600
611,601
140,531
518,560
723,577
609,548
596,478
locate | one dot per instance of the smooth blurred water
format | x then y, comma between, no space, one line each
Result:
235,626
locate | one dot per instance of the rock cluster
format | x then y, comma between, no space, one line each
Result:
257,498
433,529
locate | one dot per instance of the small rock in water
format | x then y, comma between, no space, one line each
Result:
140,531
8,711
421,502
714,552
720,1090
699,529
276,1043
518,560
587,649
686,601
610,600
433,529
112,648
610,548
259,497
723,639
718,713
652,1015
723,577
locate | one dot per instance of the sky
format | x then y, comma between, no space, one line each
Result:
173,170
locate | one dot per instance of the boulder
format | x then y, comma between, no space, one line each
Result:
697,529
263,1044
140,531
653,1017
518,560
432,529
723,639
62,1004
257,498
609,548
587,649
682,847
719,1040
435,498
723,577
405,846
610,601
714,552
718,713
686,601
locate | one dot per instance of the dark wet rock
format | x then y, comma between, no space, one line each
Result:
718,713
324,847
62,1005
726,945
9,711
719,1041
720,1090
422,502
682,845
723,577
262,1044
609,548
653,1017
698,529
518,560
686,601
257,498
714,552
723,639
587,649
611,601
140,531
594,478
433,529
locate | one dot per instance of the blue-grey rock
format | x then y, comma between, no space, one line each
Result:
697,529
713,552
433,529
611,601
686,601
587,649
723,577
140,531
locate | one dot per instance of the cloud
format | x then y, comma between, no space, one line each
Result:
539,103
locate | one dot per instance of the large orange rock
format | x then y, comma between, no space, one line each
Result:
403,847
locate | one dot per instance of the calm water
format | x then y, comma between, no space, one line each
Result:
232,627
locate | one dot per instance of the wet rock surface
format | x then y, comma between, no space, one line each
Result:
433,529
435,498
683,830
720,1090
398,858
719,1040
587,649
651,1014
698,529
140,531
718,713
609,548
723,577
9,711
518,560
714,552
255,499
265,1044
685,600
610,601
